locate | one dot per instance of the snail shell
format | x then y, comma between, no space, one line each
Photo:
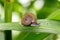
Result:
28,19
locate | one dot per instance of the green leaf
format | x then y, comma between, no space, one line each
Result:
51,37
31,36
49,7
49,26
55,15
35,36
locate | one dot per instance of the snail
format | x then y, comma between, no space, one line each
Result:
29,19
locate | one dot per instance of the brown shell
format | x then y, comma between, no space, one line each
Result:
28,18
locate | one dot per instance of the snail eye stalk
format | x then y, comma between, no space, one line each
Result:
35,24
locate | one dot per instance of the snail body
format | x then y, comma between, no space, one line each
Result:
28,19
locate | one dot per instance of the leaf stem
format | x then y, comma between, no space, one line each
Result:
8,17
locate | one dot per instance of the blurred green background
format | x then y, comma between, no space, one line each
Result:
44,9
